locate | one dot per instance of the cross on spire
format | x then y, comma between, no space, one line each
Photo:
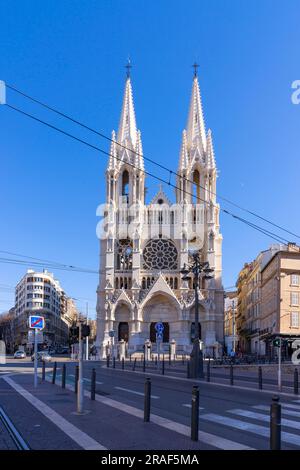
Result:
195,66
128,66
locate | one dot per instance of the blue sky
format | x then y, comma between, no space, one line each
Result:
71,54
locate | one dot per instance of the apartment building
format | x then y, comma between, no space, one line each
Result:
249,314
40,293
280,302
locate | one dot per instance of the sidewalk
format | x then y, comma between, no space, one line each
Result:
100,427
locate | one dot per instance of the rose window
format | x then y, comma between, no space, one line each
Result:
160,254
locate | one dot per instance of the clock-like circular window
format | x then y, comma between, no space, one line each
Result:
160,254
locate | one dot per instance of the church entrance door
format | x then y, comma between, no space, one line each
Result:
123,331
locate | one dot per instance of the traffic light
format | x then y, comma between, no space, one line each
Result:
74,334
85,331
276,342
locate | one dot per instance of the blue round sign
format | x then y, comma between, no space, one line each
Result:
159,327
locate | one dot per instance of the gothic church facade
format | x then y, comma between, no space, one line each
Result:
140,281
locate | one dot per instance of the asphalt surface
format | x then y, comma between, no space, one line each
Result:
241,416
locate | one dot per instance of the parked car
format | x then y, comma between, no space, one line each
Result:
19,355
43,356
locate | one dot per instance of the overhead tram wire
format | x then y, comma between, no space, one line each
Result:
272,235
54,263
49,266
171,172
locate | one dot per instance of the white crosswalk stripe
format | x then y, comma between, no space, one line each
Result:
284,411
247,416
261,417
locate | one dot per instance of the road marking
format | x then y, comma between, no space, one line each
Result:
205,437
155,397
78,436
290,405
265,418
250,427
188,405
283,411
86,380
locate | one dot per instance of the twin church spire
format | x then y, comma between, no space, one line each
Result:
127,144
196,147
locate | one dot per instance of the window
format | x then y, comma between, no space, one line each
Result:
295,319
125,184
294,298
196,187
160,254
294,279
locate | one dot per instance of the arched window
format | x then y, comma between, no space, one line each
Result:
196,187
125,184
211,242
117,283
144,283
176,283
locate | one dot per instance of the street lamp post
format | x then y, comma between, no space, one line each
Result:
199,270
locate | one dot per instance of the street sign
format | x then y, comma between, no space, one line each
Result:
39,335
111,333
159,326
36,322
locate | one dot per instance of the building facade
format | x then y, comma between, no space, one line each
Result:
280,305
230,329
140,282
39,293
258,301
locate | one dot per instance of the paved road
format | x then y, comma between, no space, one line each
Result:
241,416
238,415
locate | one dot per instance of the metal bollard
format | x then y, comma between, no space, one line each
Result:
156,360
144,364
195,413
43,371
169,355
76,378
260,383
107,361
182,359
63,376
147,400
163,365
208,372
54,373
296,383
114,362
93,384
123,363
275,424
231,374
134,363
130,358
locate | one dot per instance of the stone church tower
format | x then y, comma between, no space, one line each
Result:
146,246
